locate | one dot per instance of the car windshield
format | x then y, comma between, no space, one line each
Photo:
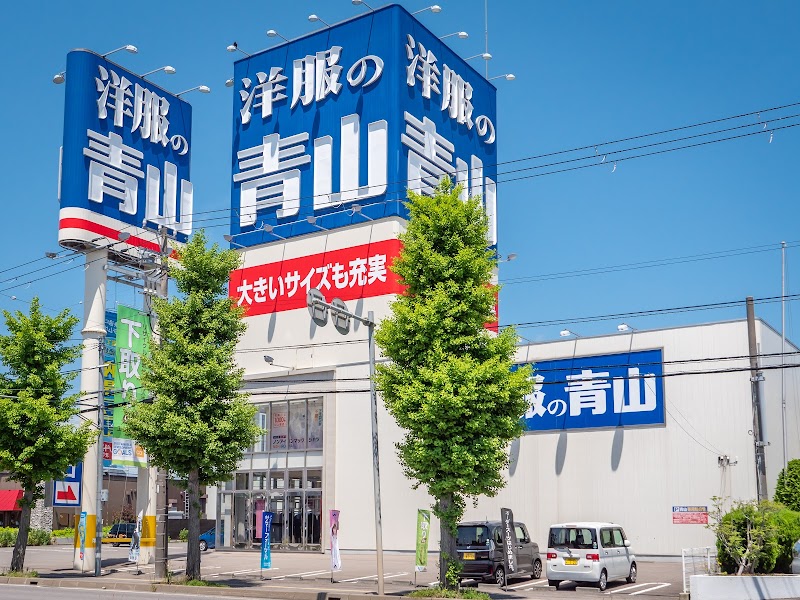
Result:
472,535
581,538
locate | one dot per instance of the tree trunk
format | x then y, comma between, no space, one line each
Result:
447,543
18,557
193,551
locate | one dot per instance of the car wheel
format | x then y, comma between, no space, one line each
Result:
203,545
553,583
500,576
603,583
115,544
537,569
631,578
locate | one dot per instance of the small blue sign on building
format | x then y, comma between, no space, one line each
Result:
330,129
125,158
591,392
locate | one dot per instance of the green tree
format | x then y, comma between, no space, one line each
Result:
449,384
787,490
37,440
747,535
198,423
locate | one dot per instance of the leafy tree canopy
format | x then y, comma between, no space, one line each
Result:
197,419
449,384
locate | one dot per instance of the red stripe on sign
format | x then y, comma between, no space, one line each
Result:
92,227
349,274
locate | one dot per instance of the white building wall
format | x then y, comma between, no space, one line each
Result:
631,476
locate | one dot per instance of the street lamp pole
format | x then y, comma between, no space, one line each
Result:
369,321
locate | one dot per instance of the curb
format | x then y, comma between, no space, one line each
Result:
239,592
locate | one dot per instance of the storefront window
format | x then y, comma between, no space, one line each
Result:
284,477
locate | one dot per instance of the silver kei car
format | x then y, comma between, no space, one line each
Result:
589,552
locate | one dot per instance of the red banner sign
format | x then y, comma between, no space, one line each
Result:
349,274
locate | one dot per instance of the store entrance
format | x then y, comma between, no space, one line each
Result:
294,499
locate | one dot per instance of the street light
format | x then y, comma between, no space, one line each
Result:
200,88
167,69
235,47
129,48
509,258
360,2
59,78
625,327
273,33
312,220
461,35
356,208
271,361
567,333
315,299
315,18
434,9
484,56
507,77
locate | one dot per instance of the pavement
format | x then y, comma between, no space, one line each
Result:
306,576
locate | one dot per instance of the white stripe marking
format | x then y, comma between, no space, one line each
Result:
658,587
302,574
627,588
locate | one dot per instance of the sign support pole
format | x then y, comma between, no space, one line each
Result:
91,384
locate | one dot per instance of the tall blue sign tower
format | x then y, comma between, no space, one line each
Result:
125,158
336,125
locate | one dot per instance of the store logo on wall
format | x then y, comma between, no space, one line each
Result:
589,392
356,113
125,159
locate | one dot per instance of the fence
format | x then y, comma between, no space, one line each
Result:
698,561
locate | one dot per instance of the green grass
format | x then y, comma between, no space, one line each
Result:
197,582
437,592
20,574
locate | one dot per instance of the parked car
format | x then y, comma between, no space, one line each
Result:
208,539
796,558
121,530
589,552
480,549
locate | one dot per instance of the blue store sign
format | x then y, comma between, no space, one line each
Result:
590,392
125,159
353,115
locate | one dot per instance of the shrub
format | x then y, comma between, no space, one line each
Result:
39,537
787,490
747,536
67,532
8,535
184,535
788,523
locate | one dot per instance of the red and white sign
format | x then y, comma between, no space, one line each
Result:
66,493
348,274
690,515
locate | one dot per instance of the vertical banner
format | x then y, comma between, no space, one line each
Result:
509,541
133,553
266,540
423,528
336,558
82,533
132,343
109,378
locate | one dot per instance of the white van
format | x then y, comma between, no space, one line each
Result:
589,552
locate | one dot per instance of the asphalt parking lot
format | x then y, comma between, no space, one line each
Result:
310,573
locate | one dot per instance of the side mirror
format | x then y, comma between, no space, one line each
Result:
627,543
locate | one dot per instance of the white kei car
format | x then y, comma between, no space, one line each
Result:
589,552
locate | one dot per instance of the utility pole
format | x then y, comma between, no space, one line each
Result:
783,355
159,286
756,377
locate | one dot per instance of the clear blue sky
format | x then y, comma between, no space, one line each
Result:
587,73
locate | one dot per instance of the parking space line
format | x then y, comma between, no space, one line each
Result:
658,587
302,574
370,577
626,588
